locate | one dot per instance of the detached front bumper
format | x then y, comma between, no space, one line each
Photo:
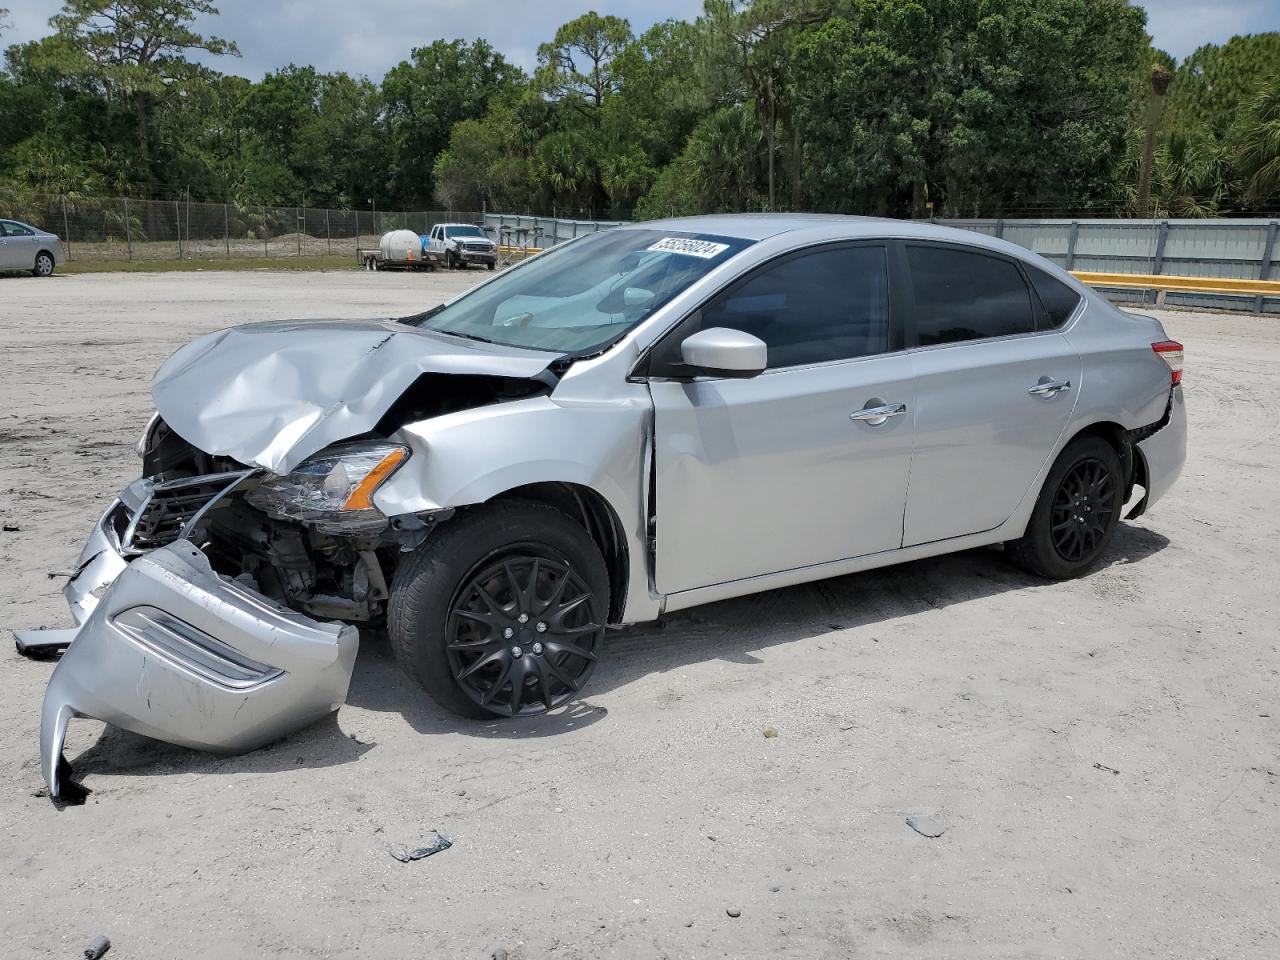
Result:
170,649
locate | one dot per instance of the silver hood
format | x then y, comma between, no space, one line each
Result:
272,394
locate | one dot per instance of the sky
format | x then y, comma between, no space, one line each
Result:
370,36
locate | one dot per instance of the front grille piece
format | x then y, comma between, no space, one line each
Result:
170,506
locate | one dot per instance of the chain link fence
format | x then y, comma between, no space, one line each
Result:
117,229
122,229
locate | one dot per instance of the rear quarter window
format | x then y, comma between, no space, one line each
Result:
1059,300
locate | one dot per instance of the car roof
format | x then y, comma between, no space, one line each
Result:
762,226
828,226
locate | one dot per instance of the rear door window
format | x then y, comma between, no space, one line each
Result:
1059,300
967,295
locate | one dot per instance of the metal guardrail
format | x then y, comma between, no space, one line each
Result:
1166,284
1218,264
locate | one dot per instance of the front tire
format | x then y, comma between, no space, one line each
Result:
502,611
43,265
1076,514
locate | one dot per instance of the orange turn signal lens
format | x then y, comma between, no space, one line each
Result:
361,498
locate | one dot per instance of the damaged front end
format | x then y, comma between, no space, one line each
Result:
217,599
205,620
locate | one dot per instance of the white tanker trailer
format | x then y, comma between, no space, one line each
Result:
397,250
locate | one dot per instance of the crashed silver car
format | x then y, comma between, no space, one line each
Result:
639,421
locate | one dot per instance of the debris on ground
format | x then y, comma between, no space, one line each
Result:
926,827
405,855
734,911
97,948
1103,767
770,733
73,793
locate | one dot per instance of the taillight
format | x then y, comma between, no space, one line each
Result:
1171,352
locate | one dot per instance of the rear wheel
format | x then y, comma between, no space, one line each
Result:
502,612
44,264
1076,514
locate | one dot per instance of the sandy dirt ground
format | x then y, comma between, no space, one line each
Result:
632,824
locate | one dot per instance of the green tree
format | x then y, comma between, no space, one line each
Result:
439,86
1211,87
578,68
1258,144
579,73
751,41
133,50
976,107
489,161
720,170
312,136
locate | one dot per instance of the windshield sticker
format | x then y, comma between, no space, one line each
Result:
704,249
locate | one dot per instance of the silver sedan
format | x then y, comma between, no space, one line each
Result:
27,248
646,419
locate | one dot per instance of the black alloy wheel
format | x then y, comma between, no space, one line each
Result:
1082,509
502,611
1076,513
523,632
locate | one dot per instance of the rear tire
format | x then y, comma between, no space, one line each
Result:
454,617
43,265
1075,515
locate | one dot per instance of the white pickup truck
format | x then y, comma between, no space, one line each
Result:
459,245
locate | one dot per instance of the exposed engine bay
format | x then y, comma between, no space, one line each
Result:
332,570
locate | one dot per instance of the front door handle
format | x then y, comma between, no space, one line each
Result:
1049,388
874,416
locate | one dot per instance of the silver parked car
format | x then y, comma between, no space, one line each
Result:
645,419
24,247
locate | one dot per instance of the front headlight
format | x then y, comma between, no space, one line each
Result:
333,490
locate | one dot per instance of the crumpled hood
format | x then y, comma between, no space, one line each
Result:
272,394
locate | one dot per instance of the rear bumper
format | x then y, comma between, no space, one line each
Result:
1164,453
170,649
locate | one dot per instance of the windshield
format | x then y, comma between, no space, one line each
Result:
582,296
463,232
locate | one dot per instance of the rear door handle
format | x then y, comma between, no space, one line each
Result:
1049,388
874,416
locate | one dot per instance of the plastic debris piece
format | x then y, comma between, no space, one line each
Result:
405,855
770,733
1105,769
97,948
926,827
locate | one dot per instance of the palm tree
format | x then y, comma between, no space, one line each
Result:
1258,142
1194,175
